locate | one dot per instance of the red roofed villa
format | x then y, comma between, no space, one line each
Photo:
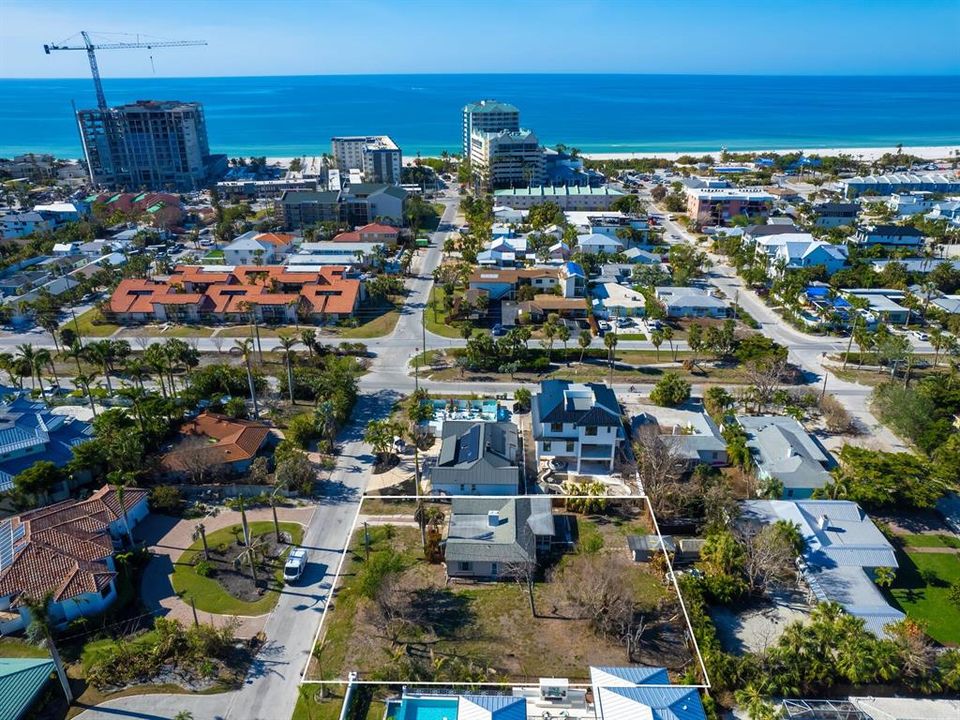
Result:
218,295
65,549
374,232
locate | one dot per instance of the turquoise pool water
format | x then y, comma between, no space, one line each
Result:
427,709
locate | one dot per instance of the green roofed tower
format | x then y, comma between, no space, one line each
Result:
488,116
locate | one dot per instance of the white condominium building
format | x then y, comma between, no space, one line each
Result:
376,156
488,116
508,158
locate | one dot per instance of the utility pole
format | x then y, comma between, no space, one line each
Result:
416,371
193,606
366,541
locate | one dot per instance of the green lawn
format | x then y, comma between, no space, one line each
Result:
13,648
382,320
938,541
91,324
435,316
922,590
177,331
208,593
242,331
631,336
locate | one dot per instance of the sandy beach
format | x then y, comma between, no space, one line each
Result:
931,152
936,152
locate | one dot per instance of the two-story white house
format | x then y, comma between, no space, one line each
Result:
577,424
256,248
66,550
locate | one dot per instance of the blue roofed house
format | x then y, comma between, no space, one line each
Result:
843,548
491,707
476,458
577,424
782,450
21,682
30,432
639,692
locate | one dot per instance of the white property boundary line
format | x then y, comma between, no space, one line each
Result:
346,549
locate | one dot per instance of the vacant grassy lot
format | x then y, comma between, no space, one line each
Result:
378,320
435,317
922,589
209,594
91,324
486,624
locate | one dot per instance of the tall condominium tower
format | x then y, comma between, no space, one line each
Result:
488,116
376,155
155,145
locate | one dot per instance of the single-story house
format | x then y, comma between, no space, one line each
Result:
691,302
613,300
212,443
783,450
843,548
694,436
492,538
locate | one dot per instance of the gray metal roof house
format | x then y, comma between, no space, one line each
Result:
477,458
842,546
782,449
489,537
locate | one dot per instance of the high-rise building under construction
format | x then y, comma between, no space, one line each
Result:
154,145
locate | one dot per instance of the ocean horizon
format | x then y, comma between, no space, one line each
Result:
284,116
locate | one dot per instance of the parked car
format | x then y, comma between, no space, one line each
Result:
295,565
498,330
604,325
920,335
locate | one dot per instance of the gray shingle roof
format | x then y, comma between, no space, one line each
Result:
475,535
555,405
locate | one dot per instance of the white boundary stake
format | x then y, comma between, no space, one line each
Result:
434,498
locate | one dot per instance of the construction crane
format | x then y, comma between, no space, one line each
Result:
90,47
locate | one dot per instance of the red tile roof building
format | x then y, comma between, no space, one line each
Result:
65,549
374,232
206,294
212,441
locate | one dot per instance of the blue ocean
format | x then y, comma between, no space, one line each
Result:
289,116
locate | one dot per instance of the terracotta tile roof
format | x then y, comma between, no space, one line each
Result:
379,228
236,440
219,292
65,546
351,236
278,239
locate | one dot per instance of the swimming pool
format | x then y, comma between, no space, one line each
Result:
427,709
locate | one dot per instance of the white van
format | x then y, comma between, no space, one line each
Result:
295,565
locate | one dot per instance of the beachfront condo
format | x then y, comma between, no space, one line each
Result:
157,145
377,156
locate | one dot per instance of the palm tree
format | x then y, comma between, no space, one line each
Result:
309,339
83,381
287,342
325,417
75,352
755,704
26,356
245,346
119,480
667,333
584,340
610,342
40,632
41,357
656,337
102,353
563,335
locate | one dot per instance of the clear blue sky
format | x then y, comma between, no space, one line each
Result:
315,37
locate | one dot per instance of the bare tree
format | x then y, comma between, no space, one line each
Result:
660,467
765,376
769,554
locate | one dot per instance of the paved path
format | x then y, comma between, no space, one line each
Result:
168,538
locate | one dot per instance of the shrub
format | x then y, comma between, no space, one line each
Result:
671,390
166,499
203,569
301,430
